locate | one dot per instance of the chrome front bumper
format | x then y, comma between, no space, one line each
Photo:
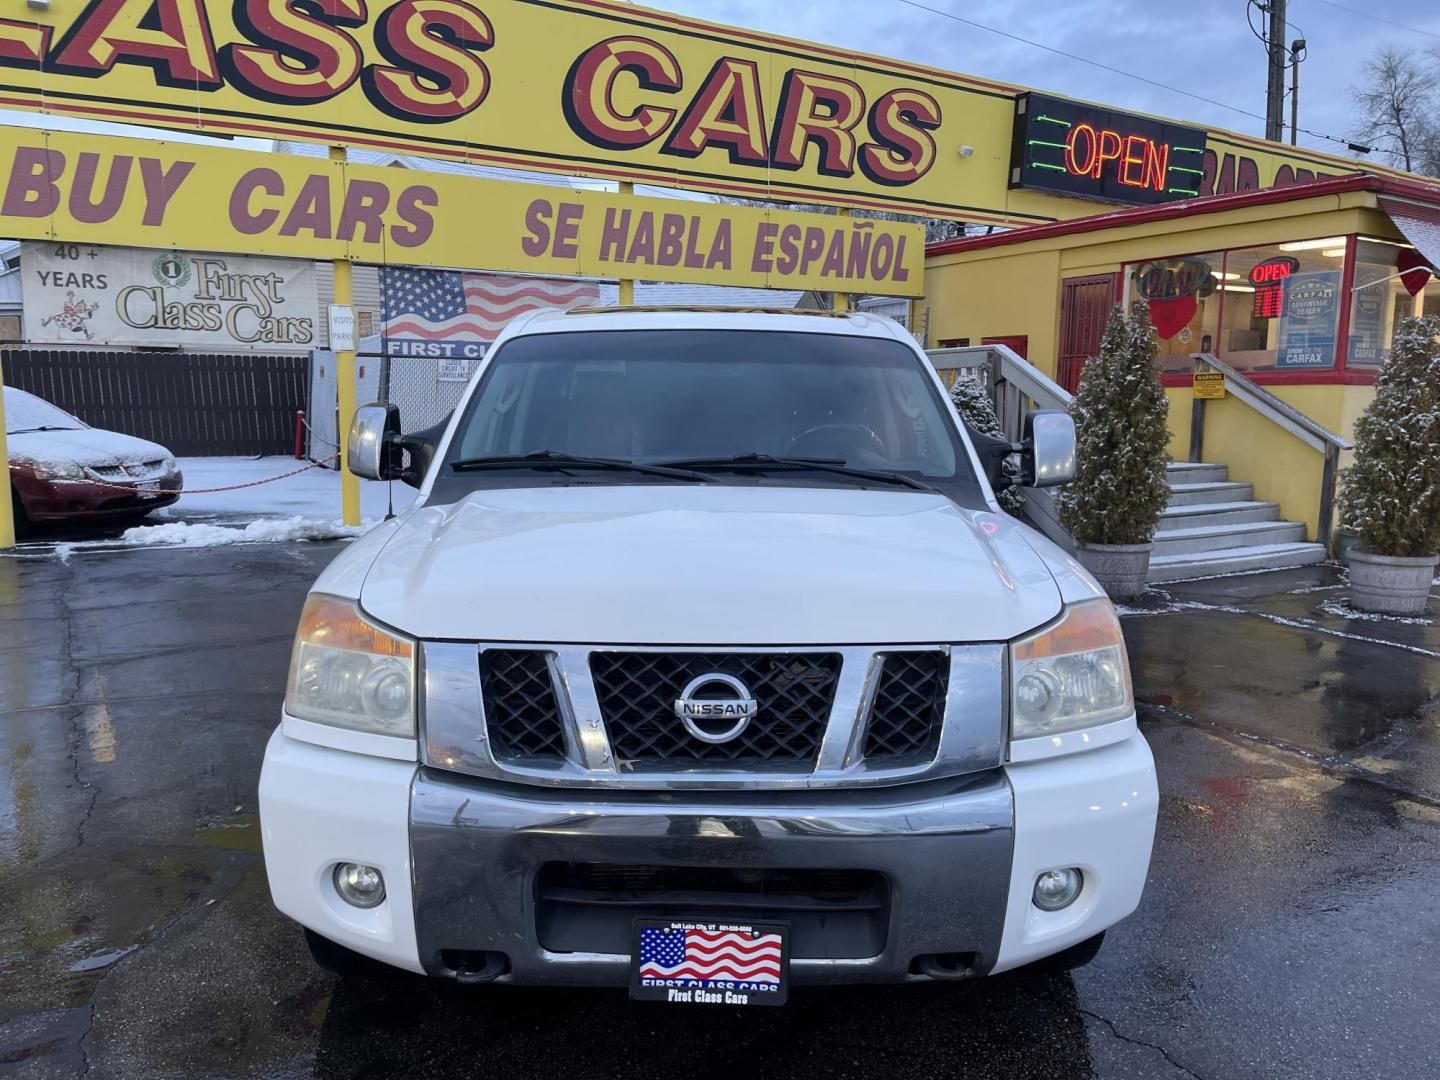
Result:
944,848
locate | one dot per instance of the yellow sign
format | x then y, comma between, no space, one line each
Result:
1209,385
580,87
142,193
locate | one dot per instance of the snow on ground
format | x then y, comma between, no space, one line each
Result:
313,494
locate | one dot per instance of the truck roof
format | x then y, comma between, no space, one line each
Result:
706,318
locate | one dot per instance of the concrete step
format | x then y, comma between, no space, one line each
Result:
1210,492
1234,561
1224,537
1201,515
1196,472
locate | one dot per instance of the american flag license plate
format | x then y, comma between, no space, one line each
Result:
710,963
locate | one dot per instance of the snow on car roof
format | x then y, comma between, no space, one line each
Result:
26,412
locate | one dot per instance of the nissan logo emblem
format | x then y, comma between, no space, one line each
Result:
719,716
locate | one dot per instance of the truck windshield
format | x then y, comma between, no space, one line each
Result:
735,406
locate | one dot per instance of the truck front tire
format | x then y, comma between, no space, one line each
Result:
1076,956
337,959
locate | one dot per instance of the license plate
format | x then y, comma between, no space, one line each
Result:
710,963
148,489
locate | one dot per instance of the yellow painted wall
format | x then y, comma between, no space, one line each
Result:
998,299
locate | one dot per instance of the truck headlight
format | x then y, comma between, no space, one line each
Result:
1073,674
349,673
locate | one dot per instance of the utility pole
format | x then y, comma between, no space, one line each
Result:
1275,83
1297,53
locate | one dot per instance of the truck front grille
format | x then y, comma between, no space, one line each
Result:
909,707
522,712
604,716
637,692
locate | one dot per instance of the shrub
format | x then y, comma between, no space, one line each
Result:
1120,487
1390,497
973,403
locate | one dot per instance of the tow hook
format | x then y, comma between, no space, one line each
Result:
945,965
473,968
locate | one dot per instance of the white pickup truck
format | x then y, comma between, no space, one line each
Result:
705,664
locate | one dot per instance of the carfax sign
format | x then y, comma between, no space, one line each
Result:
82,294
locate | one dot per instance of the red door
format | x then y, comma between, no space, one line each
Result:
1019,344
1085,305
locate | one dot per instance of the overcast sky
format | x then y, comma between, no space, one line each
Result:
1202,46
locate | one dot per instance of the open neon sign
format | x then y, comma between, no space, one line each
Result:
1139,162
1268,277
1068,148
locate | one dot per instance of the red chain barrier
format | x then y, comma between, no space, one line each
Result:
132,488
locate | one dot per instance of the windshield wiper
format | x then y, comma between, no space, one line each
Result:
770,461
43,427
561,462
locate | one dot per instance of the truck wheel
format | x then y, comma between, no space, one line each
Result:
1076,956
337,959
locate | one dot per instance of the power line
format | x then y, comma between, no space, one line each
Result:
1378,18
1114,70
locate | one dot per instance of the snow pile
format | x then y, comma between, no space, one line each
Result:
266,530
1342,610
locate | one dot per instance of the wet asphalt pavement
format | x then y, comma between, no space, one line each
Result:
1290,927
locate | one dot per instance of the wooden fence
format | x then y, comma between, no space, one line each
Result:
191,403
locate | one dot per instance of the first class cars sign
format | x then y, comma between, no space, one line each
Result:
590,87
81,294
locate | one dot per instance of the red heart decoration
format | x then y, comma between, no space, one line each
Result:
1169,317
1414,269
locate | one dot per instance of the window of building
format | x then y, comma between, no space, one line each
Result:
1281,306
1381,299
1184,305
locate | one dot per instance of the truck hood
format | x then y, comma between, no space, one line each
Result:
722,565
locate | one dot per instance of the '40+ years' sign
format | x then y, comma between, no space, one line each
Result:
81,294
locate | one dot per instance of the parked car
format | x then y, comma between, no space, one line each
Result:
706,663
61,469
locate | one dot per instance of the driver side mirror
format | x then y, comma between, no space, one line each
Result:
374,451
1047,455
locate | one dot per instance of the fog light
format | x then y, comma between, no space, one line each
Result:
362,886
1056,889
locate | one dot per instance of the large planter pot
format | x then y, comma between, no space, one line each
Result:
1391,584
1119,568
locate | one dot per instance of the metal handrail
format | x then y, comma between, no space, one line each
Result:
1287,417
1272,408
1015,386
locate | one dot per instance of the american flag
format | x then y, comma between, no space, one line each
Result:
449,305
707,957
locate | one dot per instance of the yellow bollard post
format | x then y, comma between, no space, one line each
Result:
627,285
842,300
345,385
7,517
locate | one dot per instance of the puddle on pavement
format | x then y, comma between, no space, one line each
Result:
239,832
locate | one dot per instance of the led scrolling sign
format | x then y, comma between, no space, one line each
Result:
1069,148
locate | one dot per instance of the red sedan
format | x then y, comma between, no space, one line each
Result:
61,469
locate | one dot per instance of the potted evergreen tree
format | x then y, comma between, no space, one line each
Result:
972,402
1390,497
1121,487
